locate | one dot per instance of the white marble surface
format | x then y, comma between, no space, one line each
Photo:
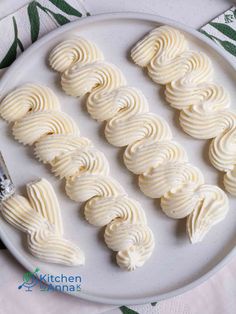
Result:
194,13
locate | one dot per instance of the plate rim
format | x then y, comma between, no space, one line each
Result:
89,20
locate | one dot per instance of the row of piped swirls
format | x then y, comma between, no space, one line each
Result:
203,104
161,163
39,216
37,119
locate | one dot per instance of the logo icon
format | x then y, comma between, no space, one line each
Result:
48,282
29,280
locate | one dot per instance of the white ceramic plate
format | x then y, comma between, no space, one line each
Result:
175,265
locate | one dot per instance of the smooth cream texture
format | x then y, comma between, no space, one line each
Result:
161,163
39,217
203,104
86,170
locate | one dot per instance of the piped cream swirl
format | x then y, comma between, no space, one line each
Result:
71,51
28,98
162,164
39,217
204,105
86,171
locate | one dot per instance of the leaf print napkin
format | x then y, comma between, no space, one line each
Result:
20,29
222,30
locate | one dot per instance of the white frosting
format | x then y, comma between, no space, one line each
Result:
74,50
156,52
51,248
147,154
18,211
79,80
122,132
230,181
44,200
79,161
34,126
84,187
124,101
134,243
204,105
210,210
49,148
28,98
162,165
126,230
101,211
39,216
86,170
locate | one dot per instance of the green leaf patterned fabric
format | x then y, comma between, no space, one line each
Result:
127,310
225,29
222,30
35,19
66,7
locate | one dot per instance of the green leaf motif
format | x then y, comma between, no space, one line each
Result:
20,45
34,20
12,52
127,310
206,34
228,46
60,19
225,29
10,56
66,7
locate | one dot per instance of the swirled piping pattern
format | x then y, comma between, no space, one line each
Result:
37,119
161,163
39,217
203,104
